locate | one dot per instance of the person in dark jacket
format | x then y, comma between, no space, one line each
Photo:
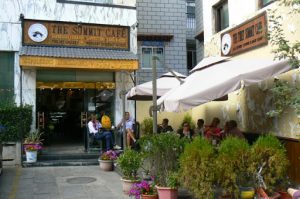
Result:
186,131
164,127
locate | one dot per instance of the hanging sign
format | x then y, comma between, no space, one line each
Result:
246,36
52,33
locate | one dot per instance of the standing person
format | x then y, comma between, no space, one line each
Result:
129,122
186,131
164,127
199,130
94,129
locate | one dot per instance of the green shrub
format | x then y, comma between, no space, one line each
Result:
269,152
147,126
130,161
197,170
162,152
232,163
15,122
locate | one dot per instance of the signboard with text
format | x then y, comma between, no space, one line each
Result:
246,36
49,33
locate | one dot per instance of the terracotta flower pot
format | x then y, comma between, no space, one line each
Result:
285,195
167,192
127,185
106,165
149,196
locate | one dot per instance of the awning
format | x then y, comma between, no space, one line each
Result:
218,80
144,91
77,58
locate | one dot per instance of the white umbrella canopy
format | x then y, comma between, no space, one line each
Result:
218,80
165,83
209,61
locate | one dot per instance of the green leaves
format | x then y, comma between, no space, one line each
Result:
130,161
15,122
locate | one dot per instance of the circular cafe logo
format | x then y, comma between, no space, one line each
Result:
37,32
226,44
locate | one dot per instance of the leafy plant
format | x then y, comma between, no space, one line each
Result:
283,47
197,168
33,138
109,155
15,121
188,118
144,187
130,161
147,126
268,152
284,96
162,152
32,147
232,162
172,180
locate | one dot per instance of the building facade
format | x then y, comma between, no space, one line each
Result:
238,29
68,59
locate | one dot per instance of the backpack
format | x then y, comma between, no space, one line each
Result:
105,121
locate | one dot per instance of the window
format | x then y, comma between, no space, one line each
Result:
149,49
221,16
190,12
191,59
6,76
263,3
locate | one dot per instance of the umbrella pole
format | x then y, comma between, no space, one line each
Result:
123,109
154,95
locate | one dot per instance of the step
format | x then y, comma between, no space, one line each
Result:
69,162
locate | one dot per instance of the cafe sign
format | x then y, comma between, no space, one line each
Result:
246,36
48,33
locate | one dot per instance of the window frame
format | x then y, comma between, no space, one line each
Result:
218,16
261,5
152,47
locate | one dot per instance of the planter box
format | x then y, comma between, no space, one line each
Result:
12,150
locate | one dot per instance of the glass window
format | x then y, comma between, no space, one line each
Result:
191,59
221,16
6,76
148,52
263,3
190,7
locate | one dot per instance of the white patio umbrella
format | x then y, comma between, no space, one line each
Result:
218,80
165,83
209,61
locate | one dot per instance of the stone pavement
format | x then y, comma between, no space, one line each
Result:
77,182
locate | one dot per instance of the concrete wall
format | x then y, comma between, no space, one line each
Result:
164,17
249,105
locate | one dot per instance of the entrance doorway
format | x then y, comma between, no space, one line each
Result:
62,110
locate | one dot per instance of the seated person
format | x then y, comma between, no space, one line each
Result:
233,130
164,127
129,122
199,130
186,131
94,129
213,131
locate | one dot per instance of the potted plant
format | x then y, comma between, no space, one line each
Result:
32,145
162,152
106,160
231,163
144,189
267,152
129,162
197,168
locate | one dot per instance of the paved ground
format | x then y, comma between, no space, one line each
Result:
60,183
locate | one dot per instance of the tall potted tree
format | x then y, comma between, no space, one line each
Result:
267,152
129,162
197,168
162,151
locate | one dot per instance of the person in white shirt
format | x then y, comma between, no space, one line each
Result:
129,122
94,129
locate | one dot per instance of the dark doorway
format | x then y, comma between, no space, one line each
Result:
62,109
